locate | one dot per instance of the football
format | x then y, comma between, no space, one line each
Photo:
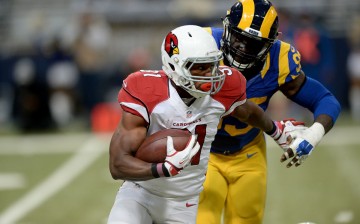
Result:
153,149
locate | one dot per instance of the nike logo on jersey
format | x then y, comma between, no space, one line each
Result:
250,155
189,205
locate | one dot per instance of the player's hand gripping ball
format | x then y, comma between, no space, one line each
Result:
153,149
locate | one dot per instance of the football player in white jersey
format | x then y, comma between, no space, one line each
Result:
191,92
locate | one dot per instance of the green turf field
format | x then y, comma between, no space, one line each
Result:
64,178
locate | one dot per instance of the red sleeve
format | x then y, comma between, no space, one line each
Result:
234,88
146,89
126,97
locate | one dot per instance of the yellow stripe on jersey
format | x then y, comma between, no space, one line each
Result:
233,131
258,100
283,62
247,14
208,29
268,22
266,66
220,124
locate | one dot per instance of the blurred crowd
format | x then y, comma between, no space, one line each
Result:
52,79
353,68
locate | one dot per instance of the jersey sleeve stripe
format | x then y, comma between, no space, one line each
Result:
237,103
136,107
283,63
266,67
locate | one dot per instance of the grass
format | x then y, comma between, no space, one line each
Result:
324,190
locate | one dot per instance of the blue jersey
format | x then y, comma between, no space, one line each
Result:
282,65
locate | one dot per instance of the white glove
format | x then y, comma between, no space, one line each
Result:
175,161
284,128
303,143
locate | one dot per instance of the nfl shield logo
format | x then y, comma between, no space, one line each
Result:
188,114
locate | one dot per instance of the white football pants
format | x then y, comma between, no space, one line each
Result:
135,205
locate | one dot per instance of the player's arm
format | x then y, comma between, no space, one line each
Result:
125,141
312,95
128,136
252,114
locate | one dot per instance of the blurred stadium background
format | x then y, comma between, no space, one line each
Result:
61,66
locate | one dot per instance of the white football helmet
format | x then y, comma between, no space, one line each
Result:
181,49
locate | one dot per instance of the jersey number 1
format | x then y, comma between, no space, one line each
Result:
200,130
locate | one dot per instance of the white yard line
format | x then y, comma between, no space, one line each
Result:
45,144
11,181
83,158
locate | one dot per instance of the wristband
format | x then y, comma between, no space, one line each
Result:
154,171
165,171
159,170
275,132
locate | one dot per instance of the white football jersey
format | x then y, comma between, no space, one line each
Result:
149,94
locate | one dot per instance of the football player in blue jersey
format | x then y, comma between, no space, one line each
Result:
235,183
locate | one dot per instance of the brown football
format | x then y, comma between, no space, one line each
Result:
153,149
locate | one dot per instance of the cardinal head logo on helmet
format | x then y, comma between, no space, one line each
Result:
171,44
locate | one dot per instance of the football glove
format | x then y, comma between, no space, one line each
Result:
176,161
302,144
283,129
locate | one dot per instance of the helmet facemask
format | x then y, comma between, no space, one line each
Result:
209,85
242,49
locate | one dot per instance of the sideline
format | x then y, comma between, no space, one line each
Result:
83,158
25,143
